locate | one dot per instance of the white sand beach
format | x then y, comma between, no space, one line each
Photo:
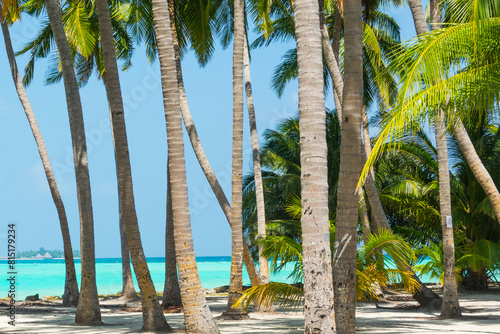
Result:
481,312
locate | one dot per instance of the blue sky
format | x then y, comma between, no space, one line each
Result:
25,198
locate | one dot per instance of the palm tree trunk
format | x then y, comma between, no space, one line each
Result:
317,267
450,307
153,318
200,153
344,261
197,316
259,188
128,291
417,13
236,278
171,291
476,166
332,63
87,311
70,296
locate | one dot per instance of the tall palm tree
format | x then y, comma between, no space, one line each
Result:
87,311
202,43
85,45
236,278
344,259
451,306
380,34
318,288
449,76
171,290
70,295
259,188
435,78
152,314
197,315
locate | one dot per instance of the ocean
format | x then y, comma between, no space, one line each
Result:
46,277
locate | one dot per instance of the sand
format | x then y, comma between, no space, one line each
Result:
481,312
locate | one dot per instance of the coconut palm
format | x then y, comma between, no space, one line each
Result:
197,315
171,291
87,312
86,48
152,314
439,78
318,288
192,28
259,188
70,295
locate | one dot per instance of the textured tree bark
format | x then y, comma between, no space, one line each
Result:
477,167
318,288
236,278
201,156
417,12
450,307
128,291
171,291
70,296
87,311
344,259
259,187
197,316
332,62
152,315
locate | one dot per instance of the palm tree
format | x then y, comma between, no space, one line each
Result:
171,291
259,189
318,288
451,306
236,281
152,314
197,315
87,311
188,20
436,79
85,45
344,259
70,295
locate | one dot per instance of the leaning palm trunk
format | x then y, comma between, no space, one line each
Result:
87,311
450,307
128,291
201,156
344,259
332,62
236,277
317,267
171,290
197,316
474,161
70,296
259,188
152,314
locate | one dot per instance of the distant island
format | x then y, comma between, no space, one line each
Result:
42,253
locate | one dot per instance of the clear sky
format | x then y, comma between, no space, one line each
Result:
24,194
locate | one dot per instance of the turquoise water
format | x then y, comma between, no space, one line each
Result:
46,277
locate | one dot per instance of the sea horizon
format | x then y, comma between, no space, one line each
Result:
45,277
